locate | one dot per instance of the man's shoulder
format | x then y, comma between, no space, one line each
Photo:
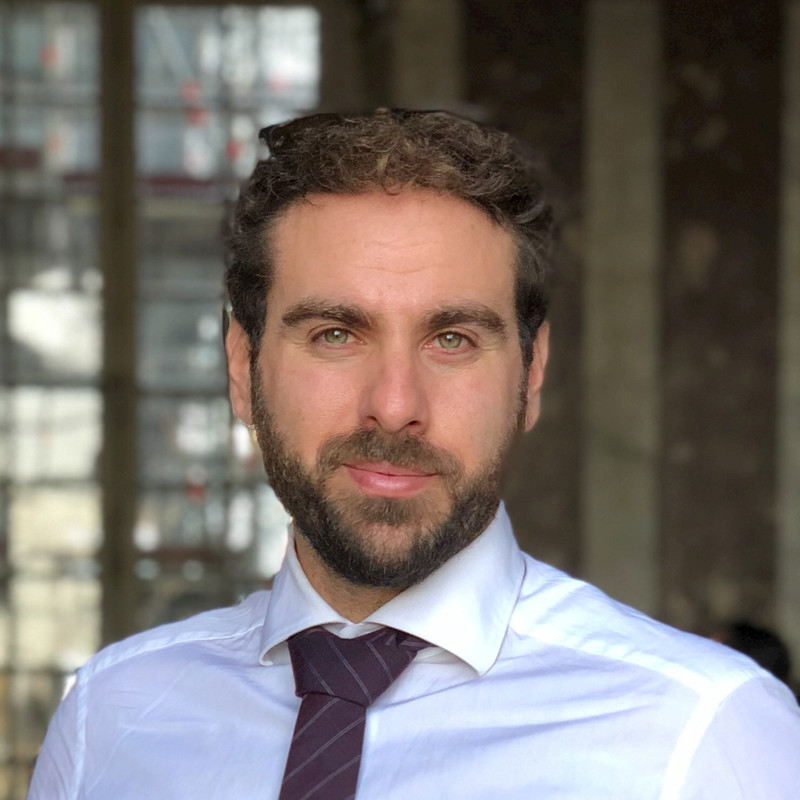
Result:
558,611
207,632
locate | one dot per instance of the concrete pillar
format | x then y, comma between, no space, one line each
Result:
788,576
428,63
722,182
118,257
526,73
621,299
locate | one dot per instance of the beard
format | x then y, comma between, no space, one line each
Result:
374,541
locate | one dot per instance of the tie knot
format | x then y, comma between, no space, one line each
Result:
358,670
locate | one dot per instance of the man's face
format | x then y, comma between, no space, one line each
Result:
389,382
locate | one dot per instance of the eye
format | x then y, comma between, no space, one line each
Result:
450,340
335,336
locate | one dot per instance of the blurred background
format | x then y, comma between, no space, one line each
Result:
666,467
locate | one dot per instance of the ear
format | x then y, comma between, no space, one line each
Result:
237,348
536,375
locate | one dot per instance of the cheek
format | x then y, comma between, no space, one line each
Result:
309,406
471,417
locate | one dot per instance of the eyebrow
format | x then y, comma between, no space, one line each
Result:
354,317
313,309
469,314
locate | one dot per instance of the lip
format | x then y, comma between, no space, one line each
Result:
387,480
385,468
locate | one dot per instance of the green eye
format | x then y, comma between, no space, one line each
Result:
450,340
336,336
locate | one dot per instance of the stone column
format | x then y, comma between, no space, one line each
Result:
788,578
118,257
722,182
428,64
526,69
621,299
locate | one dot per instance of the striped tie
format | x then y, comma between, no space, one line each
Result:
337,679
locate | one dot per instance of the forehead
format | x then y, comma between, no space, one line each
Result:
412,248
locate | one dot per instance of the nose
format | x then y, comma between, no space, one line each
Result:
395,397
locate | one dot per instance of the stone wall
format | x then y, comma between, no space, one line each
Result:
666,465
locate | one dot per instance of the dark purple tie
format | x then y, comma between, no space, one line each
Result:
337,679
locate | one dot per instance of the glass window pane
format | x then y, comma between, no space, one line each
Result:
177,592
195,441
271,535
181,249
55,434
250,56
49,348
203,522
177,54
180,345
51,244
56,621
208,78
184,441
288,50
56,531
54,46
51,623
172,144
53,335
245,465
5,434
56,142
14,777
5,646
188,523
29,697
200,547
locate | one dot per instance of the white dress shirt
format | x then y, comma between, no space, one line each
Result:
538,686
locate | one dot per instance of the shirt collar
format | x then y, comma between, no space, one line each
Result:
464,607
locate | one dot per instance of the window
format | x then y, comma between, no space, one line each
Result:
207,528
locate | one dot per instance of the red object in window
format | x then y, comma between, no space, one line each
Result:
54,144
49,55
195,492
233,149
279,84
190,91
197,117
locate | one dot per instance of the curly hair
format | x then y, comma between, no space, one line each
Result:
390,150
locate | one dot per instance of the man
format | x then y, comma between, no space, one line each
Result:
387,344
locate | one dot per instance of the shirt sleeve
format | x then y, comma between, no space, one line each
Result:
751,748
57,770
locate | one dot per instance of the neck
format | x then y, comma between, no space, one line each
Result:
353,602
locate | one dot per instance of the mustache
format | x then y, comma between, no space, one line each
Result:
402,450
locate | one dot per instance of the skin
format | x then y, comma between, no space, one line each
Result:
393,312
